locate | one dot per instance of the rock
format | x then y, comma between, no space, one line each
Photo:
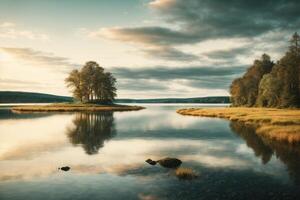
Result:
151,162
65,168
166,162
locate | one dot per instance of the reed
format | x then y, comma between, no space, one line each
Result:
276,124
185,173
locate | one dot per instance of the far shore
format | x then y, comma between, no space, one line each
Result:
74,107
277,124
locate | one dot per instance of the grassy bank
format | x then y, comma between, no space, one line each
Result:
277,124
72,107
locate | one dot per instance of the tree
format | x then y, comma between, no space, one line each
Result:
269,91
268,85
87,73
74,81
290,78
92,84
109,86
295,44
244,91
238,92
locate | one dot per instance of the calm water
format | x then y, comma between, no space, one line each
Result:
107,153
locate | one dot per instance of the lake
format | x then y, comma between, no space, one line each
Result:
107,153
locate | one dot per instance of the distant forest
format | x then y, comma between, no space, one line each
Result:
31,97
217,99
269,84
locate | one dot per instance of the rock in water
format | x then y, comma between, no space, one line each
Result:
151,162
65,168
166,162
170,162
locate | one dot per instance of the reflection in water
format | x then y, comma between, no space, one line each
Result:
91,130
252,140
31,150
265,148
6,114
289,155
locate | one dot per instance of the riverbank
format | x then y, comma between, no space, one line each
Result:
72,107
277,124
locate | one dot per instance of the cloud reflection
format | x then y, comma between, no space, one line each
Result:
43,150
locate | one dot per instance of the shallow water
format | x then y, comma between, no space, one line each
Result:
107,153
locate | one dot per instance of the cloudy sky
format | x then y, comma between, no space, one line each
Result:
155,48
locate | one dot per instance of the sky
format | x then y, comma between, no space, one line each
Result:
155,48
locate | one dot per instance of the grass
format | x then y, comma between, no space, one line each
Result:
276,124
73,107
185,173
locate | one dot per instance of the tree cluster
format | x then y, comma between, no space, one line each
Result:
266,84
92,84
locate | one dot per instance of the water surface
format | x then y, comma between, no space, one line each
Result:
107,153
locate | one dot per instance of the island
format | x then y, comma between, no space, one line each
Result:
94,90
73,107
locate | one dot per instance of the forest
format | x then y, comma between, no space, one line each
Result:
270,84
92,84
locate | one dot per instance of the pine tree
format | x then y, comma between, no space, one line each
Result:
295,44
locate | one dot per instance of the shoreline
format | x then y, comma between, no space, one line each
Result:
277,124
64,107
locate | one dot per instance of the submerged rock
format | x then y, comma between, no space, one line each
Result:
65,168
166,162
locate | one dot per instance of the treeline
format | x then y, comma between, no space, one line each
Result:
31,97
217,99
92,84
269,84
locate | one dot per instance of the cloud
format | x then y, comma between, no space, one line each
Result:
169,53
11,31
243,18
167,73
40,59
160,80
14,81
14,84
172,81
201,20
7,25
154,41
35,71
229,53
212,82
151,35
140,85
161,4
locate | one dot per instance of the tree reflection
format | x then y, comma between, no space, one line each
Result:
263,147
91,130
289,154
253,141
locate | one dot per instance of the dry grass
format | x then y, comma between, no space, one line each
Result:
277,124
72,107
185,173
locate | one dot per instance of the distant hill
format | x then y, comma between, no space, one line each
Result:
218,99
30,97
